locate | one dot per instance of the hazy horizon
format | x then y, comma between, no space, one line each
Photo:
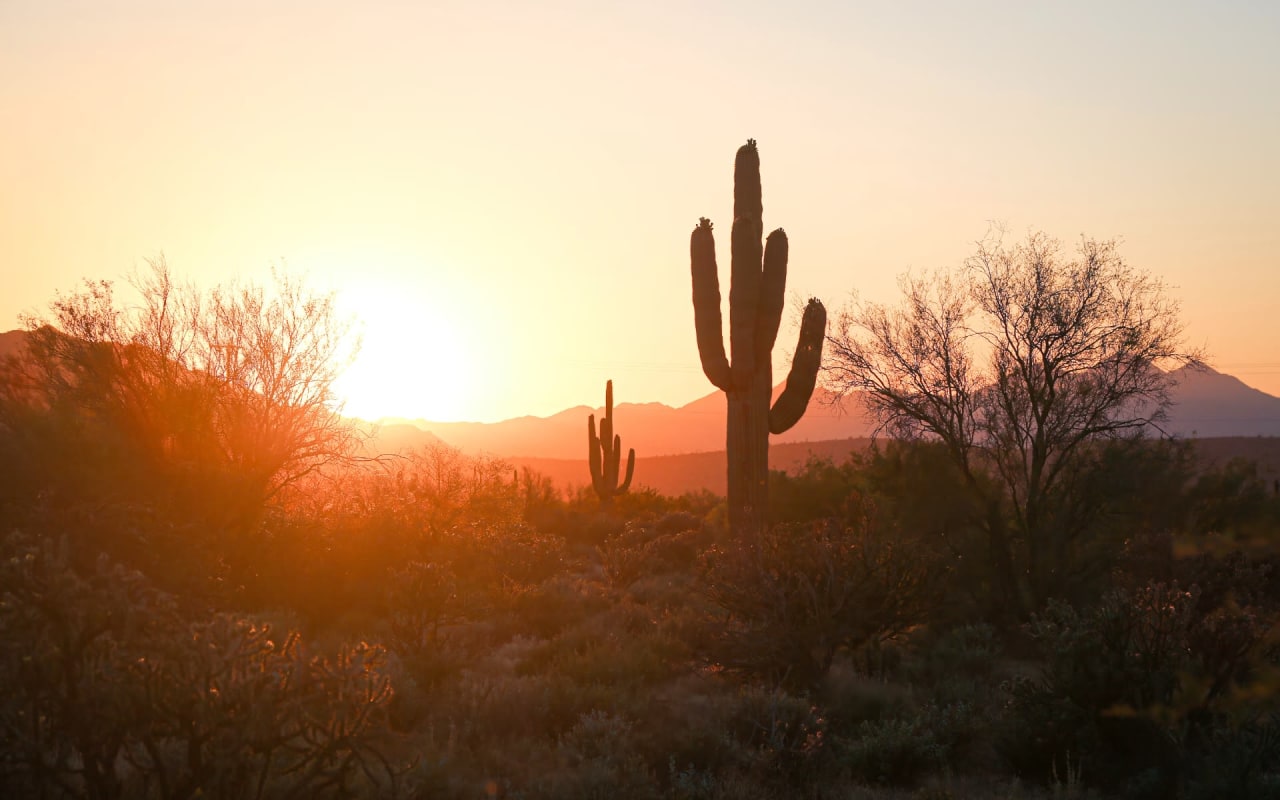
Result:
503,193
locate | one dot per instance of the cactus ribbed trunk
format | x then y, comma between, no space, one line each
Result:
756,300
747,448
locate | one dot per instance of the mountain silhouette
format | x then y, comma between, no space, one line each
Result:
654,429
1206,404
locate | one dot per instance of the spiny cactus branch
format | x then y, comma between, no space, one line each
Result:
706,307
790,405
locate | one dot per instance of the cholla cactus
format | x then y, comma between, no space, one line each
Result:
756,300
605,453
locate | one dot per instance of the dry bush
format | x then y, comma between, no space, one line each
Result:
793,596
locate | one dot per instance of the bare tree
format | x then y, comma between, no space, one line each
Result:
230,388
1015,363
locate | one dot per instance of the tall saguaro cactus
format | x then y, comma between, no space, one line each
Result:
605,453
756,300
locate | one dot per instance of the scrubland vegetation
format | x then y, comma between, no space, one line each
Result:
440,627
209,589
437,626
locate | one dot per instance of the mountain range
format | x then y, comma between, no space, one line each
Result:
652,428
682,449
1206,404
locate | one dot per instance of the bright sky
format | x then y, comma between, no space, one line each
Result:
503,192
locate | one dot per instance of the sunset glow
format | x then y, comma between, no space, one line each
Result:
568,399
503,192
412,363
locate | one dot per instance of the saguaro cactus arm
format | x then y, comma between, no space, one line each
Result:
631,463
790,405
706,306
773,290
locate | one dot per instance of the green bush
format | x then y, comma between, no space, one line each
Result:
1241,762
849,699
893,751
901,748
598,761
1102,666
650,546
1137,689
794,596
781,736
966,650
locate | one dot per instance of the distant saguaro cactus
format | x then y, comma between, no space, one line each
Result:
756,300
605,453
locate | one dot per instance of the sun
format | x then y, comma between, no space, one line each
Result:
413,362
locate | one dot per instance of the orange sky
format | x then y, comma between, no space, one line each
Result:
503,192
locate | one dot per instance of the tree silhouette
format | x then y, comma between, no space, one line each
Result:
1016,363
217,399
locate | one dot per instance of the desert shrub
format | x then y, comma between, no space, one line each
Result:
680,538
793,596
954,666
1136,688
439,488
598,761
1235,577
893,751
112,691
958,728
673,602
1125,653
848,698
583,525
896,743
499,556
652,545
880,659
502,700
237,712
641,501
677,522
1233,499
1239,762
426,605
68,638
689,783
968,650
625,558
547,608
478,575
594,657
819,490
1130,488
1146,557
685,723
779,736
919,489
